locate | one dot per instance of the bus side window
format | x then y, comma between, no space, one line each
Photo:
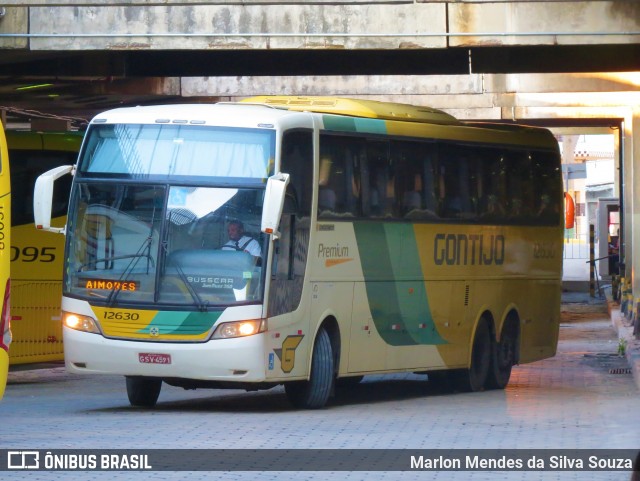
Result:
429,183
291,249
548,187
416,189
284,254
451,201
297,161
449,181
376,174
339,177
492,186
520,198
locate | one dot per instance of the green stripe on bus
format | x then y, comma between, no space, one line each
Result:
182,323
377,267
410,286
351,124
372,126
394,283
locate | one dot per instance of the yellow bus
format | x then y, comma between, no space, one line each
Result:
307,242
36,257
5,244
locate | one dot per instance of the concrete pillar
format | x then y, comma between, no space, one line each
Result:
632,207
627,193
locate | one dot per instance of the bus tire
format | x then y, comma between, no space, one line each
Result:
143,391
314,393
474,378
503,356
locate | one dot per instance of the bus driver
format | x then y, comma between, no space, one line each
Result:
240,242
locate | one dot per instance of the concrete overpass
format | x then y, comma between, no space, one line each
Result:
99,52
571,65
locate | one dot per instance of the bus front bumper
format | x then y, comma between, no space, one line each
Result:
234,360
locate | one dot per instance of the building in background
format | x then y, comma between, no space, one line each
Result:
590,172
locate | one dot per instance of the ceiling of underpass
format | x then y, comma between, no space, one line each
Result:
79,84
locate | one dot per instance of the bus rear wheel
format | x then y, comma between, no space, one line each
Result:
474,378
503,357
143,391
314,393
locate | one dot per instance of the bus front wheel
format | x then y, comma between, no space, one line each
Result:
315,392
143,391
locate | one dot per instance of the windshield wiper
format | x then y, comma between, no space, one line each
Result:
146,245
135,258
202,305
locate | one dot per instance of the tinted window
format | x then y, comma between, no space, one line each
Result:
437,181
339,193
26,166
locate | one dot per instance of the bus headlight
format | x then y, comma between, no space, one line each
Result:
79,323
239,328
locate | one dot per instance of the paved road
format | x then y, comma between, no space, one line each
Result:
575,400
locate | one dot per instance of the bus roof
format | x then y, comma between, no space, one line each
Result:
372,109
192,114
411,120
366,116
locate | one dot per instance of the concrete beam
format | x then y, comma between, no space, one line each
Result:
543,23
14,21
323,24
240,26
465,96
152,3
337,85
393,85
568,82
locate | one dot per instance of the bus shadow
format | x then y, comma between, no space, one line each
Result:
275,400
385,390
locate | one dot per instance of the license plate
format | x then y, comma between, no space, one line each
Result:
154,358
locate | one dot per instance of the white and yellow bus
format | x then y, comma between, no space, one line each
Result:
5,255
392,239
36,257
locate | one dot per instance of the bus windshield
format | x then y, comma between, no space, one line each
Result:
176,245
178,150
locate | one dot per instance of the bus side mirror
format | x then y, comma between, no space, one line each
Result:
43,198
273,202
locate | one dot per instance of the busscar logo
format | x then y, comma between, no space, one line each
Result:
23,460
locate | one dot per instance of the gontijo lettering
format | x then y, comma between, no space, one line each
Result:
462,249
